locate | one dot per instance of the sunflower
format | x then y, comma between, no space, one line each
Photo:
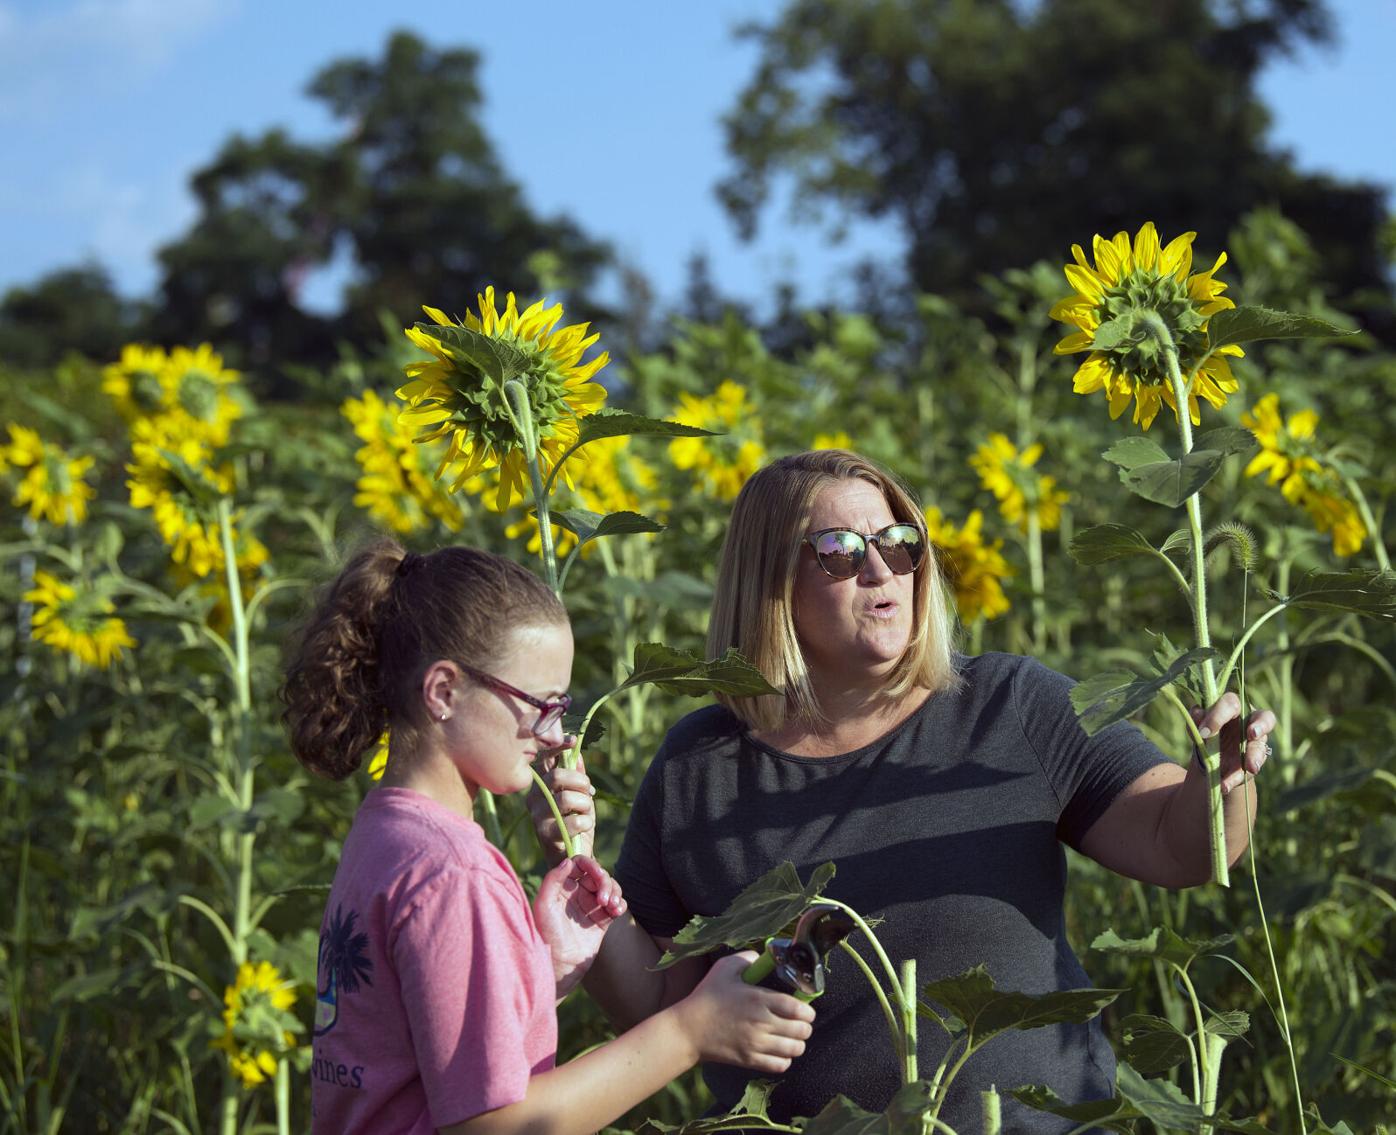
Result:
836,440
378,763
176,480
83,626
258,1027
615,479
975,570
1125,281
722,464
396,486
186,393
53,484
135,383
1020,489
459,394
1290,457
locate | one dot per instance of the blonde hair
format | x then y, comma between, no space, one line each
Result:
753,608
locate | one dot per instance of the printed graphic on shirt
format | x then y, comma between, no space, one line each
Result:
344,963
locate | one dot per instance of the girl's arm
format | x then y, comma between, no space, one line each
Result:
724,1019
624,982
622,979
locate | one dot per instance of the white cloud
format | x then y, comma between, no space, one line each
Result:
66,54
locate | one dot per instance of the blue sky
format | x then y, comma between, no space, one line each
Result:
608,112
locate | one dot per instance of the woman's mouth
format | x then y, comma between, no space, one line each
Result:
884,609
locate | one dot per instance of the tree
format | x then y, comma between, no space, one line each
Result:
263,222
429,211
411,191
998,132
73,309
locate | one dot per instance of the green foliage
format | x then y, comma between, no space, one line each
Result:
762,910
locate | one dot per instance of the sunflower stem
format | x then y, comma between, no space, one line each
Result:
1365,511
522,414
1156,326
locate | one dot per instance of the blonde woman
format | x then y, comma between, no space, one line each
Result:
942,786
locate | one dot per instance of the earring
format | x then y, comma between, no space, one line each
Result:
443,717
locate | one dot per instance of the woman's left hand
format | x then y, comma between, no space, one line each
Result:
576,902
1242,754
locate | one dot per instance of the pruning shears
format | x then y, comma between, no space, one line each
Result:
797,963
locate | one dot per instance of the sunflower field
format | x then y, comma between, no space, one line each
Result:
167,859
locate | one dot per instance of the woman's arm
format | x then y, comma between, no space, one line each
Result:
1157,831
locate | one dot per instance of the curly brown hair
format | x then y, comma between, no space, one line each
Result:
356,665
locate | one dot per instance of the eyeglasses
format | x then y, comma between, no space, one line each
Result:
841,551
549,712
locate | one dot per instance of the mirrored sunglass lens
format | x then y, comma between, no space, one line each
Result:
901,547
840,553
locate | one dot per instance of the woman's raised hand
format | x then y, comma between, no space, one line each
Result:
573,793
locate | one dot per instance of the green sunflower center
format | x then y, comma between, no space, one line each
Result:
146,391
198,396
480,402
1140,354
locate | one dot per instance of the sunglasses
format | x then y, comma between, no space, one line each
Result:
549,712
841,552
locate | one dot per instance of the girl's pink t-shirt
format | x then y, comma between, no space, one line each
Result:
436,997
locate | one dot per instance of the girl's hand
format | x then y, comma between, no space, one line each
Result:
576,902
573,793
1240,760
731,1022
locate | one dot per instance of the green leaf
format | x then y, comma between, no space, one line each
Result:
749,1112
1137,1098
1114,1114
1161,943
988,1011
499,359
1248,324
761,911
1158,1101
1113,696
618,423
209,809
1370,593
99,983
1179,541
1385,1081
1133,451
1231,1024
592,525
283,805
1108,542
1226,439
148,898
1172,482
679,672
1352,782
841,1116
1151,1044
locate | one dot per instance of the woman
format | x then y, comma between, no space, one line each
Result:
941,786
438,979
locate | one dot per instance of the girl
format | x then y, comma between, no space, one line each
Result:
437,983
